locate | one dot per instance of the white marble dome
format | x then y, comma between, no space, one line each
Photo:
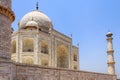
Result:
35,18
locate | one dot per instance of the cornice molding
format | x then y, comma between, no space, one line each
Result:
7,12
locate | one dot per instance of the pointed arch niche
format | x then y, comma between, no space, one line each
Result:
28,44
27,60
13,46
44,47
44,62
62,57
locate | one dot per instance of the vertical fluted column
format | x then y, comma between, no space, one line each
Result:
110,54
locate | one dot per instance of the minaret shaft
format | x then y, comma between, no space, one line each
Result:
110,54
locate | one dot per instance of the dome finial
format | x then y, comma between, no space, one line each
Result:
108,30
37,6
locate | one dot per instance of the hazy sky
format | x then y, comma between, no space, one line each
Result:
87,20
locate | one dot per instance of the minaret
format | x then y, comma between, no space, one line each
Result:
6,18
110,53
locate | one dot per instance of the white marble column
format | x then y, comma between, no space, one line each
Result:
36,50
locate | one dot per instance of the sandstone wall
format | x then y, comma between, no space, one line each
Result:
5,36
7,70
27,72
6,3
15,71
6,18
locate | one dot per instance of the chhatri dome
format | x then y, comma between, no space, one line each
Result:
109,34
35,18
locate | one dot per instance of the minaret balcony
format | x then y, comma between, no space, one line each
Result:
111,63
110,51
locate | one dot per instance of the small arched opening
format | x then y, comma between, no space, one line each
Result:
44,62
75,67
75,57
27,60
28,45
44,47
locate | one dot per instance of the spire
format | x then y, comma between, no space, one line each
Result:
71,35
78,44
37,6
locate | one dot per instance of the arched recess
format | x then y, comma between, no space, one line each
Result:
27,60
75,57
44,62
62,57
75,67
28,45
13,46
44,47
